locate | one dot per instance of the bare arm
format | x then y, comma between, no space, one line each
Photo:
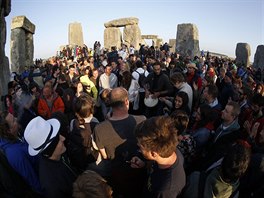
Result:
103,153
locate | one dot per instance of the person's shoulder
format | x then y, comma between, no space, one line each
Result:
16,152
139,118
113,75
180,158
165,76
95,120
102,76
100,127
186,86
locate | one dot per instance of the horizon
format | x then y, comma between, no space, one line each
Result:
221,24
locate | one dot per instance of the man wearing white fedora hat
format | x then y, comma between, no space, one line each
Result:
56,176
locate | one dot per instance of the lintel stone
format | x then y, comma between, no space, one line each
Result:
23,22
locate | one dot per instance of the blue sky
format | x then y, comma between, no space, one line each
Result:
221,23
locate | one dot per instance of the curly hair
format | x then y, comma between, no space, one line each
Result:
181,120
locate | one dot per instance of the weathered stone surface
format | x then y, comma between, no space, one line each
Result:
172,44
159,42
122,22
259,57
23,22
5,8
243,53
29,50
22,47
18,50
112,37
187,43
75,34
149,36
132,35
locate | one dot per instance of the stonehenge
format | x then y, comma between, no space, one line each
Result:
22,47
243,53
187,40
131,33
5,8
75,34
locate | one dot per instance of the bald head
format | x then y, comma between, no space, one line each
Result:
118,97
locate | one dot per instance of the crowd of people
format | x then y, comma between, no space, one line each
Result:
133,123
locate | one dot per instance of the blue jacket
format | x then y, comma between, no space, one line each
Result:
18,157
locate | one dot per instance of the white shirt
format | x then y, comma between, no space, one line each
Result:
133,90
185,87
123,54
106,82
135,75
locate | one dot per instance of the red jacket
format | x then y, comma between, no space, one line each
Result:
194,78
45,111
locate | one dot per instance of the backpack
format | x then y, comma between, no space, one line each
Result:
81,155
11,183
202,182
141,79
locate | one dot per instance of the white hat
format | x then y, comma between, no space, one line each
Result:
151,102
39,133
192,65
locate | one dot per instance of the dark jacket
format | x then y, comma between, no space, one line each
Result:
221,141
56,178
226,93
159,83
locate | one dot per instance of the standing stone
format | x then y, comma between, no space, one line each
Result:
18,50
29,52
243,53
159,42
22,47
259,57
112,37
187,40
132,36
5,8
172,44
75,34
